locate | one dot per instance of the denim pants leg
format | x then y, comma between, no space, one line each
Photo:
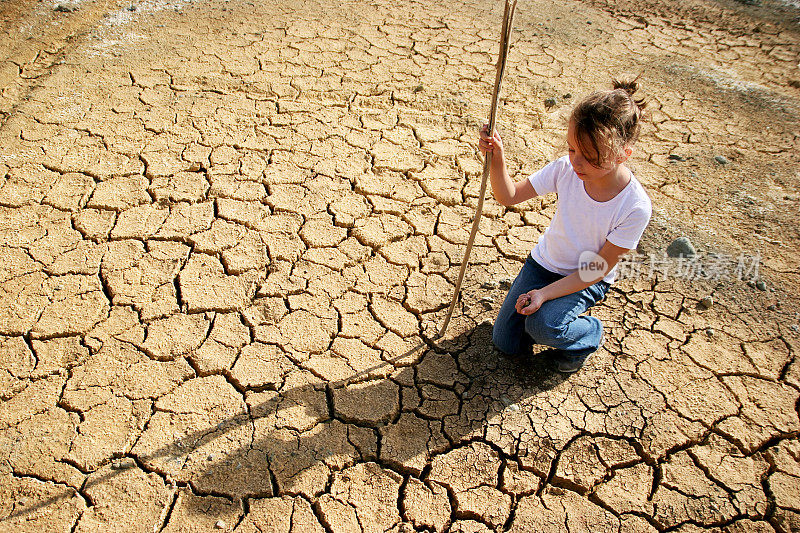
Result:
508,334
558,323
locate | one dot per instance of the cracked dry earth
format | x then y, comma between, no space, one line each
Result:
230,231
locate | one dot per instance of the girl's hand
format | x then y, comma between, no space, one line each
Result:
487,144
529,302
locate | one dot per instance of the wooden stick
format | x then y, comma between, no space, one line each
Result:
505,39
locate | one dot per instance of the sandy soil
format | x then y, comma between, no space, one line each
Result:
230,231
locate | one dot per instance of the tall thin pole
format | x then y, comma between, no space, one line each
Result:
505,38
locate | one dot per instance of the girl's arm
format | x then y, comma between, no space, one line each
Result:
505,191
530,302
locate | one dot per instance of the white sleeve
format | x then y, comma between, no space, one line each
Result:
544,181
628,232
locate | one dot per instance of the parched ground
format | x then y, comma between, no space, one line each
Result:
230,231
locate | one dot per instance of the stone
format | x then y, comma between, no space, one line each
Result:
681,247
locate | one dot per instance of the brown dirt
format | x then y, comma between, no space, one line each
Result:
230,232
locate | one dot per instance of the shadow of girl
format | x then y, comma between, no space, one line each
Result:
310,437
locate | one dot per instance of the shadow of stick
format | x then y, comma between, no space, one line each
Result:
224,427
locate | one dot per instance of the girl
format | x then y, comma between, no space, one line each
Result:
601,214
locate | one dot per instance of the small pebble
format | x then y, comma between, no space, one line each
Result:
795,328
505,283
123,464
772,307
550,102
752,284
567,96
131,8
760,285
513,407
487,300
710,332
707,302
721,159
220,524
491,285
676,157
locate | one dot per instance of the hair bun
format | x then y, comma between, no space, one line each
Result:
630,86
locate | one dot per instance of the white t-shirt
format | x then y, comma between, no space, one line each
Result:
581,223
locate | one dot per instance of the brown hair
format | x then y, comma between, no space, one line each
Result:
607,121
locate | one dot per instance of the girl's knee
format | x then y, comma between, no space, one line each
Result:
544,327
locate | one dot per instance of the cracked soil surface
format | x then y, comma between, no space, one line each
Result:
230,231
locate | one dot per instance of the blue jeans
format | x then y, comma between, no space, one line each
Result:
558,323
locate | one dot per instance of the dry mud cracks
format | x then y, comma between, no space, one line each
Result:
229,233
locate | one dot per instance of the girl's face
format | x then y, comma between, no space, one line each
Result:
581,161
